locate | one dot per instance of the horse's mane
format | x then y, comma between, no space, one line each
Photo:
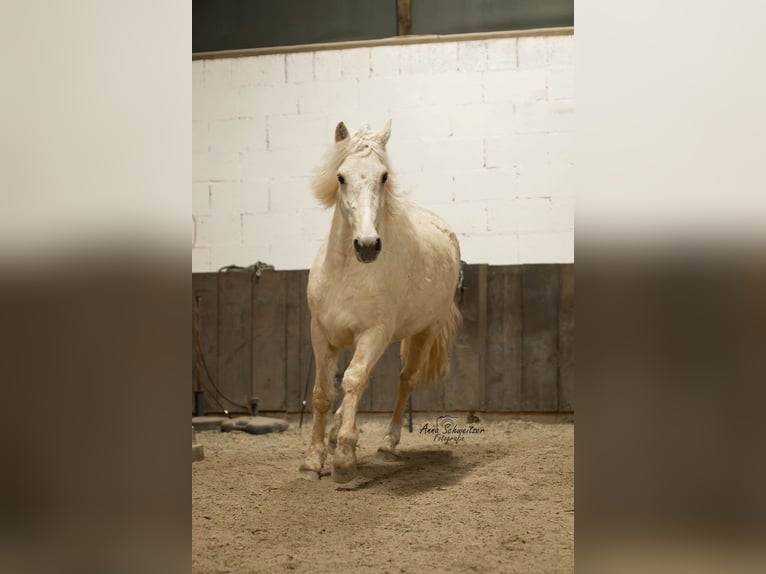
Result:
362,142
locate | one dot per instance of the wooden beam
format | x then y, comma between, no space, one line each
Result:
404,17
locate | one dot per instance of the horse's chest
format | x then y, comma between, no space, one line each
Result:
343,312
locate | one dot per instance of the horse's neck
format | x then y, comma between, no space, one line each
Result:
340,241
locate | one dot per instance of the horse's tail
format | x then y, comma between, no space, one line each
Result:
436,367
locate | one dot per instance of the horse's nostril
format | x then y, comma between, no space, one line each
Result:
378,245
357,246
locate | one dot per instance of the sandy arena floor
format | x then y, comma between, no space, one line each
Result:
499,501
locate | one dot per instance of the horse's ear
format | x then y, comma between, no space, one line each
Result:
384,134
341,132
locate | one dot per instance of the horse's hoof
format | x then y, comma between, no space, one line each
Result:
309,474
343,475
387,453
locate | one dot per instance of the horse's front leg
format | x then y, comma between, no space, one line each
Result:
322,398
370,346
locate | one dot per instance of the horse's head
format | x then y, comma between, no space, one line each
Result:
362,178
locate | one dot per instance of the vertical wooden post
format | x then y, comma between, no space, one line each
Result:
404,17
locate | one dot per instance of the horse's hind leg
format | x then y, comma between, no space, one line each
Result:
322,397
332,440
414,353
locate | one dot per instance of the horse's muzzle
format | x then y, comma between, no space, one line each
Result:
367,251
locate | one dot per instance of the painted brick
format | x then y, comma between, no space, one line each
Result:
481,120
220,72
330,97
420,123
423,188
315,223
501,54
238,135
201,198
240,197
414,59
242,255
481,184
520,152
519,208
215,166
530,214
200,137
215,103
267,70
384,61
448,89
472,56
300,67
295,253
442,57
561,84
532,51
198,75
515,86
355,63
214,230
200,259
493,249
546,247
405,154
286,193
536,117
328,65
298,131
270,228
258,102
386,95
280,163
561,50
452,155
468,217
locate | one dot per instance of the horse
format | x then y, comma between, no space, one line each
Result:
387,272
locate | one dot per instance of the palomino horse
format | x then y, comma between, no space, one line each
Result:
387,272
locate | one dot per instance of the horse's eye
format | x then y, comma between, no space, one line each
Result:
385,177
341,178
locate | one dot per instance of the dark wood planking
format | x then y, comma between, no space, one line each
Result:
306,354
566,360
503,350
464,389
293,382
384,381
205,286
403,17
269,348
539,370
495,366
234,338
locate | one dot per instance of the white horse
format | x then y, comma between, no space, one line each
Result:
387,272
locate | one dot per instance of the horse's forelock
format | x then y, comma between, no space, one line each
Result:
362,142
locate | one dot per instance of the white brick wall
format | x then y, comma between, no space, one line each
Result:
483,134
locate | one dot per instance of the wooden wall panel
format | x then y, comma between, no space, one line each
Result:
515,351
205,286
566,360
235,338
539,362
464,388
269,349
504,322
384,381
293,302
